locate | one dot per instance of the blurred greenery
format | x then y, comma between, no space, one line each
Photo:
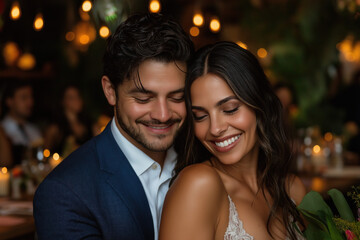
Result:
301,37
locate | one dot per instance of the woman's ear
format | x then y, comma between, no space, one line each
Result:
109,90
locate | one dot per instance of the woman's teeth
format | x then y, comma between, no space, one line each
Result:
227,142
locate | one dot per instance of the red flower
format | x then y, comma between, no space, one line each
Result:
350,235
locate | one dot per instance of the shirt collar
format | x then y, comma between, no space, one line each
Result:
138,160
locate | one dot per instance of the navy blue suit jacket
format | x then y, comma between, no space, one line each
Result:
93,194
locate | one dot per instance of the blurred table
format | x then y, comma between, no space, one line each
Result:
16,220
341,179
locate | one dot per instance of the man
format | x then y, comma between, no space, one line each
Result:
22,134
113,186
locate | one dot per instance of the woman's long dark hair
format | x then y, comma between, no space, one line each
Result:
243,73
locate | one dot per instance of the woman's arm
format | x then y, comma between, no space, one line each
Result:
193,204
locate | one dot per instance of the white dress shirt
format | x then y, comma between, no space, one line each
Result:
30,136
154,180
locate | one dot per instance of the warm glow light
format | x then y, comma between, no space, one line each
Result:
86,6
241,44
316,149
70,36
56,156
85,16
26,61
85,33
38,22
154,6
317,184
104,31
198,19
328,136
194,31
215,25
46,153
262,53
350,49
15,11
84,39
4,170
11,53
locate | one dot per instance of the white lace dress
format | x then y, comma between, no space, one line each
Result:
235,229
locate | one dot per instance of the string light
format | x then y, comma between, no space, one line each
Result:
104,32
215,25
26,61
194,31
46,153
316,149
15,12
84,39
11,53
262,53
328,136
4,170
70,36
56,156
38,22
198,20
86,6
154,6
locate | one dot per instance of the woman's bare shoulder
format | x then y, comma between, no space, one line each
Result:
194,204
296,188
199,176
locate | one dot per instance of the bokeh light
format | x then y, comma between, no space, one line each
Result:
154,6
104,32
215,25
198,20
15,12
262,53
194,31
86,6
38,22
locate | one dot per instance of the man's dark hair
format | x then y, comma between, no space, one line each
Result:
10,86
143,37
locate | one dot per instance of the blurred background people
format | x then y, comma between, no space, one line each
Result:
286,95
18,105
5,146
5,150
70,126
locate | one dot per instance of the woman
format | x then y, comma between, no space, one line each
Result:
237,185
71,126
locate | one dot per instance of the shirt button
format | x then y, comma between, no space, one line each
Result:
154,166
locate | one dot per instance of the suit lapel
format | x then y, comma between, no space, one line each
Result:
124,181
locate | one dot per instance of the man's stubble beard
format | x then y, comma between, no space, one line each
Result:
140,138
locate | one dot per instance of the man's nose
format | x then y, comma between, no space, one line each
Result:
161,111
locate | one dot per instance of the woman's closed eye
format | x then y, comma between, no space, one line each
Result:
231,111
198,116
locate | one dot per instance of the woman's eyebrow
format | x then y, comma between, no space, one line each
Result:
221,102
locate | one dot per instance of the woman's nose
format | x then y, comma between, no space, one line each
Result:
217,126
